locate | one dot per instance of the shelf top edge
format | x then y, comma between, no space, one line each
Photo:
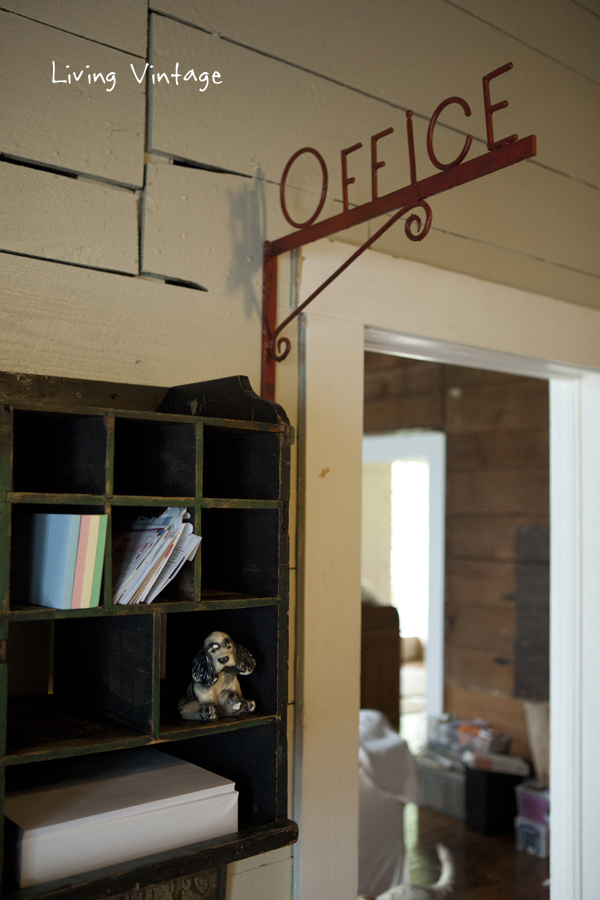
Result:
52,497
239,424
43,612
26,757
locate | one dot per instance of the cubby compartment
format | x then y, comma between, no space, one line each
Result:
78,682
241,464
21,544
250,758
255,629
183,587
154,458
59,453
241,551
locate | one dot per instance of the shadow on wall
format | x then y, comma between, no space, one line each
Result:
248,222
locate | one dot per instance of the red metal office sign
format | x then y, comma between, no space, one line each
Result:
501,153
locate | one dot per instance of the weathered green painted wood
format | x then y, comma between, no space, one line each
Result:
106,603
2,779
199,459
82,747
198,557
47,390
241,603
177,731
208,420
3,702
250,561
127,500
156,667
37,613
111,881
74,747
3,698
6,438
240,424
281,786
198,511
56,499
123,500
237,424
110,454
240,504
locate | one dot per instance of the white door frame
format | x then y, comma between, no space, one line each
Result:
430,446
460,320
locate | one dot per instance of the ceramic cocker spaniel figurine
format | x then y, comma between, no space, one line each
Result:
215,690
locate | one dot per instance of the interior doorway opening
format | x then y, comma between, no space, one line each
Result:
399,306
494,648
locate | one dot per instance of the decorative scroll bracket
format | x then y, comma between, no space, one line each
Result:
502,153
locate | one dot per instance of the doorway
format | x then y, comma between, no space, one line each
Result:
499,328
497,605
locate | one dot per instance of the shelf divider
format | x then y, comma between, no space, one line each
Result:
6,452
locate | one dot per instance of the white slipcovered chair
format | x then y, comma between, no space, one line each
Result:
387,781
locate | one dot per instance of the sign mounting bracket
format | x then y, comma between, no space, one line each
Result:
501,154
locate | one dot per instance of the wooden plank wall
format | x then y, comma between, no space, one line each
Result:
497,525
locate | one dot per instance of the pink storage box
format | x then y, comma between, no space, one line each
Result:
533,802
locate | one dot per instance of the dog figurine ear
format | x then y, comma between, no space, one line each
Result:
244,662
202,669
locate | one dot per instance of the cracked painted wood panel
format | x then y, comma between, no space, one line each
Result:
112,22
267,882
98,224
65,321
265,859
245,126
81,127
414,60
209,228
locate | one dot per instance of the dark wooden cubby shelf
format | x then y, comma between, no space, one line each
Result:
78,682
185,861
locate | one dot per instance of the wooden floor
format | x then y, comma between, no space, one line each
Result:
487,868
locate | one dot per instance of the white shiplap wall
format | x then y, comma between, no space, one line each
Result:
79,127
405,54
112,22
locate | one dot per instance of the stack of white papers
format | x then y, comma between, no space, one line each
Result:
149,556
114,808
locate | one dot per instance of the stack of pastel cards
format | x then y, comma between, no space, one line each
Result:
67,560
